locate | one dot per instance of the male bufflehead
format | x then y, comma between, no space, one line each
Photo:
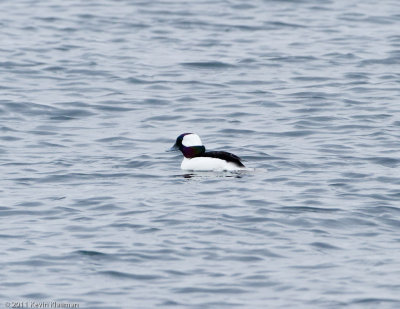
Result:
196,158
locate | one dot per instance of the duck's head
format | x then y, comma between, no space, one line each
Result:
189,144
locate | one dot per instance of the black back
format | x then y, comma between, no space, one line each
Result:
223,155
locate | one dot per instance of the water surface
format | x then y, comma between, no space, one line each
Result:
95,212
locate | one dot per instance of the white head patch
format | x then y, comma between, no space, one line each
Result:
191,140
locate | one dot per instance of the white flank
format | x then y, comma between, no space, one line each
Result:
208,164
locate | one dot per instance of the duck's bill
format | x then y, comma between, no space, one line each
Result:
173,148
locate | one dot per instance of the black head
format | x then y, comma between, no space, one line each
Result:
178,144
190,147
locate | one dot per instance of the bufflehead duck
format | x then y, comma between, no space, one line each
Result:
196,158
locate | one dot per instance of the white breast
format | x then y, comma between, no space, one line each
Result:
208,164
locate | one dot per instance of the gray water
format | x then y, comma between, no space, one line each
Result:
93,210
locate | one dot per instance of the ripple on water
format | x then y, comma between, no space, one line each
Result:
123,275
93,210
216,65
